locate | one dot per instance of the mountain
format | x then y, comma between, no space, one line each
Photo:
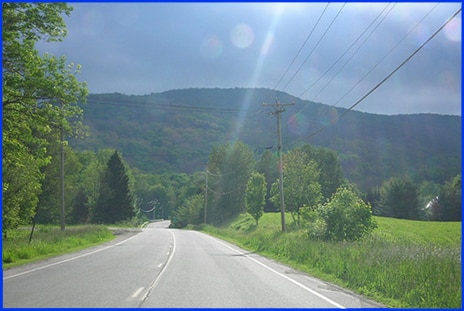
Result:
176,130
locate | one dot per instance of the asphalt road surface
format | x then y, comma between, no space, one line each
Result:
168,268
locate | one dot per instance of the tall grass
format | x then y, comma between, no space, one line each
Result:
50,241
408,264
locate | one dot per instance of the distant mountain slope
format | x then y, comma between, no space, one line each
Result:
176,130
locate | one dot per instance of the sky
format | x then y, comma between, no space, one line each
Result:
331,53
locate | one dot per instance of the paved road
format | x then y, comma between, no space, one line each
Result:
166,268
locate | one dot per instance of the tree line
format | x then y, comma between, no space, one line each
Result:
40,96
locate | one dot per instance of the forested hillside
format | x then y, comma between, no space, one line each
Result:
176,130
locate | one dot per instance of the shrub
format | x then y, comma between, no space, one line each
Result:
346,216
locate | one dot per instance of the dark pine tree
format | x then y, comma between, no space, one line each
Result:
115,201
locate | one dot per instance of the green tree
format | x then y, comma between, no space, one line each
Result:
80,210
48,208
190,212
39,95
427,193
450,200
229,166
398,199
255,195
329,166
267,165
301,184
346,217
116,198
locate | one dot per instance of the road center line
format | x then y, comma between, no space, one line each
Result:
280,274
163,268
137,292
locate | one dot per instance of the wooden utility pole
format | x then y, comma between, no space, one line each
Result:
206,194
62,209
279,108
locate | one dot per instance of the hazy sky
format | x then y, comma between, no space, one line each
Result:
330,53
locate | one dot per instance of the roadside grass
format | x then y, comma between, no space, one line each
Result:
402,264
49,241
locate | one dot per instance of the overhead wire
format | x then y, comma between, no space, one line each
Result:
344,53
147,105
383,80
384,57
352,44
317,44
301,48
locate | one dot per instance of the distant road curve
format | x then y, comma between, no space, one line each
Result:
168,268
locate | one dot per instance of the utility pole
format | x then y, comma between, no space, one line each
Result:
62,209
206,193
279,109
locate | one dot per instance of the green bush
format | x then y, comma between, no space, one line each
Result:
346,216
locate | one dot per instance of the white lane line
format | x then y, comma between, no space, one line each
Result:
155,282
160,265
67,260
282,275
137,292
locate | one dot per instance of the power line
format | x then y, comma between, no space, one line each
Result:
168,107
312,51
383,58
352,44
301,48
343,54
384,80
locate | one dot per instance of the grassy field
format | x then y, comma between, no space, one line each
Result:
50,241
407,264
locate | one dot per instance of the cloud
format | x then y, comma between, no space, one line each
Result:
141,48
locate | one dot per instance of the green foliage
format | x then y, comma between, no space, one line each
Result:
450,200
49,205
267,165
39,96
190,212
427,193
157,137
330,169
229,168
116,199
50,241
255,195
398,199
301,183
346,217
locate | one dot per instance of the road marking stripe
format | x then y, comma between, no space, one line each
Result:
160,265
282,275
67,260
137,292
155,282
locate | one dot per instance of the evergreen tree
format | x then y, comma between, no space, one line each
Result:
116,199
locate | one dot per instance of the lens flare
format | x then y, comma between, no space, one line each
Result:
453,30
242,36
327,116
211,48
298,124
